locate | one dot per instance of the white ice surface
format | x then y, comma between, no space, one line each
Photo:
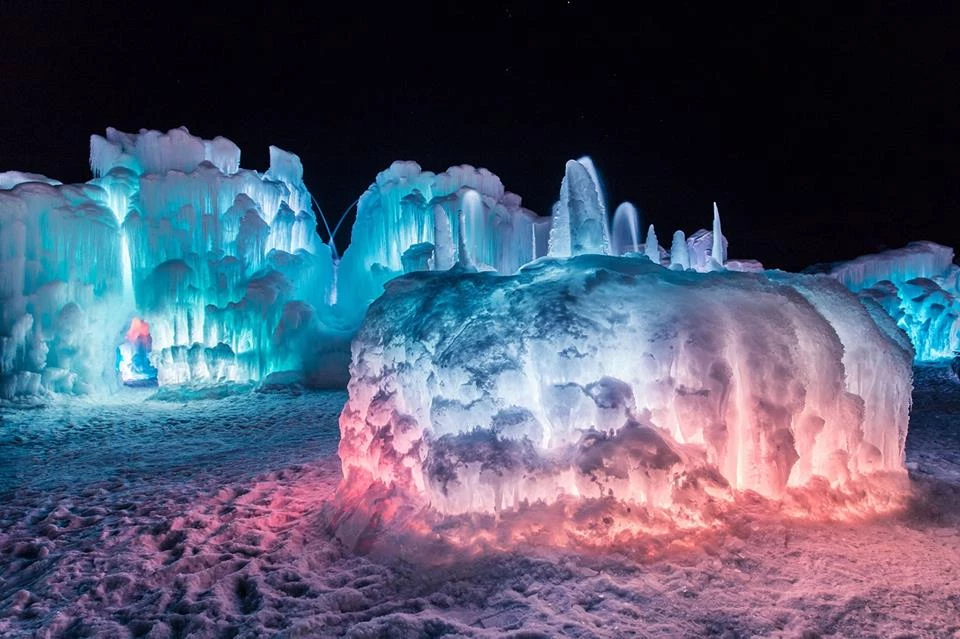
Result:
607,377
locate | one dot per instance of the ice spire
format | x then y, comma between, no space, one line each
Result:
626,229
679,255
582,212
717,254
471,207
652,247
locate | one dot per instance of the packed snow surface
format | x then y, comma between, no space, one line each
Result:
600,377
916,285
207,519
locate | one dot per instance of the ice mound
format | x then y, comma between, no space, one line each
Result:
601,377
916,285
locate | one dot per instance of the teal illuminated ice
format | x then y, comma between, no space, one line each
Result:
916,285
225,267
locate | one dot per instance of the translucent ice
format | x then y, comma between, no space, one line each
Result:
651,247
407,206
599,376
718,253
580,195
222,264
916,285
625,236
61,278
679,254
156,152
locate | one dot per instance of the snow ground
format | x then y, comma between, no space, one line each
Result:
141,518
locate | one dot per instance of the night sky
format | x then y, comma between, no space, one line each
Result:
821,134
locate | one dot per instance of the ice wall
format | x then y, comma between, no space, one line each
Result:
917,286
60,285
223,265
599,376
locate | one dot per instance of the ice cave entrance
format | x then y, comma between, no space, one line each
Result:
133,355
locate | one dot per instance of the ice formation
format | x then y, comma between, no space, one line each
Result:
679,253
579,225
222,264
599,376
223,268
408,207
718,253
652,247
916,285
625,235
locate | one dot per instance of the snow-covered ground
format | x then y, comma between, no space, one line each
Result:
207,518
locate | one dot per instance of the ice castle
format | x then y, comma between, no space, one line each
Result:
174,265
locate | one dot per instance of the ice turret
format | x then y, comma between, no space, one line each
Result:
61,289
156,152
591,168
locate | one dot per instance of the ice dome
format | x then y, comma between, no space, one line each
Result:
614,378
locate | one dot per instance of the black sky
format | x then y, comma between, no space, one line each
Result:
821,133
